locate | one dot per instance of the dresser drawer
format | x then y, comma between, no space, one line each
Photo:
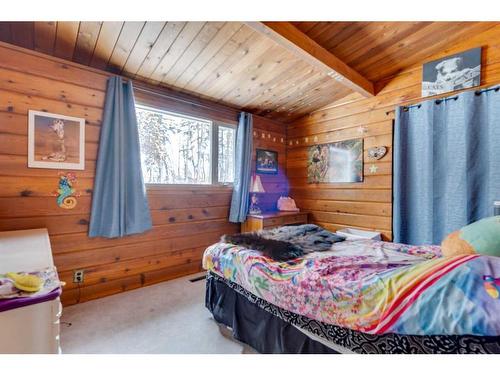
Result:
273,222
295,219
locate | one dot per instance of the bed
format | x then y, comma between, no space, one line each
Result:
362,296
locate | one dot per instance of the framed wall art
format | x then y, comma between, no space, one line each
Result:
55,141
451,73
336,162
266,162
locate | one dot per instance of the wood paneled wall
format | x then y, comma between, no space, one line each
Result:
267,136
367,205
186,219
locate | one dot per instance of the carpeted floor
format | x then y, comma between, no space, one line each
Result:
164,318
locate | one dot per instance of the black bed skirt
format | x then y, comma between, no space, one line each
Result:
260,329
270,329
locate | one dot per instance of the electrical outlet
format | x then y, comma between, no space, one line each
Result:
78,276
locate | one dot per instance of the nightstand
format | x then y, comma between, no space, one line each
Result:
269,220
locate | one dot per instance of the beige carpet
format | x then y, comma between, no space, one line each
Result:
164,318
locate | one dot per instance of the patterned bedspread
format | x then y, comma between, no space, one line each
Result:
374,287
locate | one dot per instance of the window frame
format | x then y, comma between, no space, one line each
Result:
214,150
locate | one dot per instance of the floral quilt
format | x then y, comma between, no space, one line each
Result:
374,287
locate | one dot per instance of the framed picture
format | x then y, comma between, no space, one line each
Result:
266,162
452,73
336,162
55,141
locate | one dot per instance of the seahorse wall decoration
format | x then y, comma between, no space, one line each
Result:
66,194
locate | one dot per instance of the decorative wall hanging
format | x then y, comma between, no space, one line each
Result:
336,162
55,141
451,73
66,194
377,153
266,162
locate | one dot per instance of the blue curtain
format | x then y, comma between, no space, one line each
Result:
446,165
243,168
119,202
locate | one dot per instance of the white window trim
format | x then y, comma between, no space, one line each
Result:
214,150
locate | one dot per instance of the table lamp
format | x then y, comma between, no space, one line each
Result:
255,188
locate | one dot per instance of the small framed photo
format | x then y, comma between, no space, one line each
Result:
266,162
55,141
452,73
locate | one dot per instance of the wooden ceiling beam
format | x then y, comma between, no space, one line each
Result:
295,41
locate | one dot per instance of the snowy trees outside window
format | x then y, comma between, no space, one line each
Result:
177,149
225,164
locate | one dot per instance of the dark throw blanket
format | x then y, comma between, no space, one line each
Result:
285,243
276,250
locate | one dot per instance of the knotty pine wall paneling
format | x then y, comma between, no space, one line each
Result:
185,219
268,136
367,205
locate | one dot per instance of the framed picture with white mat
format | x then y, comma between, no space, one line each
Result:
55,141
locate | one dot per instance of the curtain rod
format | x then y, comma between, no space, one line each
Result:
455,97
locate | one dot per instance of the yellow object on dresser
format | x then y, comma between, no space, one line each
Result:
28,283
272,220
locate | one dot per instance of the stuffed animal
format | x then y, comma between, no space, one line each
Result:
481,237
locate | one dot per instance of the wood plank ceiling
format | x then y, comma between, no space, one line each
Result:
378,50
231,63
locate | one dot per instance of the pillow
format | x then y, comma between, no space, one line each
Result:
481,237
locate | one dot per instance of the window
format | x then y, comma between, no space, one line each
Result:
226,143
178,149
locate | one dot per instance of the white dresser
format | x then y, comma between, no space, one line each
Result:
33,328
